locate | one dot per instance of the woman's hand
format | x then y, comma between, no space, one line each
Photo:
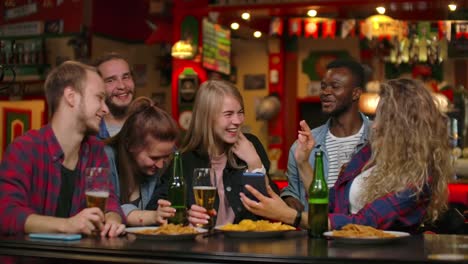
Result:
305,143
113,226
164,211
199,215
245,150
272,207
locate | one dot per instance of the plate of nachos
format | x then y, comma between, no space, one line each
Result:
353,233
255,229
166,232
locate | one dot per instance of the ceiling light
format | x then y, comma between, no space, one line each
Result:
245,16
257,34
380,10
312,13
235,26
452,7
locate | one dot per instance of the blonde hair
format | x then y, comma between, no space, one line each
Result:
410,146
68,74
208,105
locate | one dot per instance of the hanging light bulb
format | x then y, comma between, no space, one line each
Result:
235,26
380,10
312,13
452,7
257,34
245,16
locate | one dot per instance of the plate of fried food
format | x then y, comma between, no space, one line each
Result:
166,232
255,229
360,234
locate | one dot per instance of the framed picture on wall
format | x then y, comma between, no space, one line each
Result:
139,74
254,81
313,88
159,99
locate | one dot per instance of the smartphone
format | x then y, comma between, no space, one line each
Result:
54,236
256,180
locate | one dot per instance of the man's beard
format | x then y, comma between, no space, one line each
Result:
340,110
116,110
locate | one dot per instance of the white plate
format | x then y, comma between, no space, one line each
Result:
368,240
253,234
136,230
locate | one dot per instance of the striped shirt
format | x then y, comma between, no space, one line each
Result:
340,150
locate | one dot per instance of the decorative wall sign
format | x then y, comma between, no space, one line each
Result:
17,117
20,11
22,29
216,47
315,64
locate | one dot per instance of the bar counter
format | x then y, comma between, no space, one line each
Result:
295,247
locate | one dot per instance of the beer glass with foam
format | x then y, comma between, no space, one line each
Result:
97,187
204,190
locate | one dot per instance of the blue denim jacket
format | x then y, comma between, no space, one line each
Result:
148,188
103,133
295,186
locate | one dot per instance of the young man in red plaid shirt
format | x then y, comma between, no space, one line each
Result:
42,183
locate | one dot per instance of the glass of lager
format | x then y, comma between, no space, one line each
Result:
97,187
204,190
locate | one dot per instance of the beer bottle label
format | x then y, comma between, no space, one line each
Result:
318,200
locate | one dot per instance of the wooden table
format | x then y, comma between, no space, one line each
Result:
293,248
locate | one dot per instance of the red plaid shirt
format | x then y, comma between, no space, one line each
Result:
30,178
394,211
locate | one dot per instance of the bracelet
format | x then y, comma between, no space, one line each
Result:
258,170
297,220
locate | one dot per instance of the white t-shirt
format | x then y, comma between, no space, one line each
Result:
355,192
340,150
113,129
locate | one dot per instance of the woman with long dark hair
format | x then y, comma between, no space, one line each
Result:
138,156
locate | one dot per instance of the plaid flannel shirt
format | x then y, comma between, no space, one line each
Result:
30,178
395,211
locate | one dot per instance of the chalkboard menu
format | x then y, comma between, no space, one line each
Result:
216,47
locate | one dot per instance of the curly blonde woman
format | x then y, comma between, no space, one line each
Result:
410,146
399,184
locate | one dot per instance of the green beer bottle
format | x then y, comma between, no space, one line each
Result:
318,200
177,192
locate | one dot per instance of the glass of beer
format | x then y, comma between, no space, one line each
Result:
204,189
97,187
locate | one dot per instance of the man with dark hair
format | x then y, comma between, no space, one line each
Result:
120,88
345,132
42,183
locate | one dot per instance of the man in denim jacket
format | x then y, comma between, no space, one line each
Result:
347,130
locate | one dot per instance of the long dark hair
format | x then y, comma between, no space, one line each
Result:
144,120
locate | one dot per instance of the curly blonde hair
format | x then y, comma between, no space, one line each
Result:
410,146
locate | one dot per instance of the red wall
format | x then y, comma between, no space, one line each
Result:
121,19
